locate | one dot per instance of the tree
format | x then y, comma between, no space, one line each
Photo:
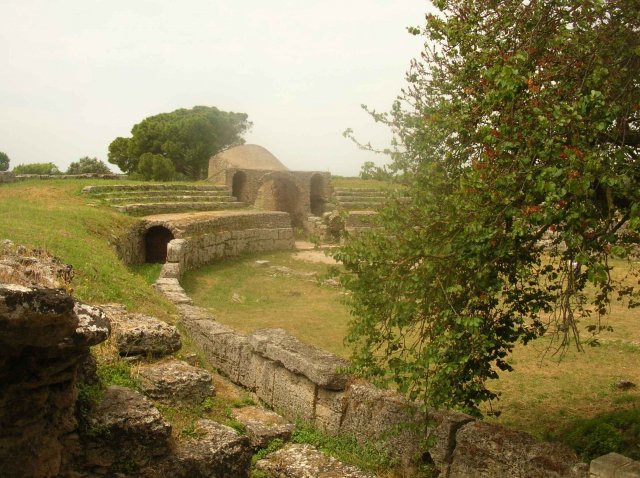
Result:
87,165
520,134
4,161
36,168
155,167
187,137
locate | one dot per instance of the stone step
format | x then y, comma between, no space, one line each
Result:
345,194
169,198
150,193
360,206
357,190
147,209
151,187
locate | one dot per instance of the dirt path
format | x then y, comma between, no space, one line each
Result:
308,252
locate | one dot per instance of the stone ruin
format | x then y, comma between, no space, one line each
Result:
257,177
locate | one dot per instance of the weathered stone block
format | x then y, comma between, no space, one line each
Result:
330,405
176,382
483,449
176,250
265,373
319,366
262,425
294,395
218,452
305,461
125,428
222,346
138,334
614,465
171,270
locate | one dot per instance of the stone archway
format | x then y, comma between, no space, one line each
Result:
317,197
280,193
156,240
239,186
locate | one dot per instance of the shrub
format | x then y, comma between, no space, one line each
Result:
88,165
36,168
155,167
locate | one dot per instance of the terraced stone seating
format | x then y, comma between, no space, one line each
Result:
147,199
358,199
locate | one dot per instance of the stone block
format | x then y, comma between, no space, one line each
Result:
285,233
305,461
176,250
222,346
174,381
613,465
294,395
137,334
321,367
217,452
330,406
265,373
125,427
484,449
171,270
443,426
262,426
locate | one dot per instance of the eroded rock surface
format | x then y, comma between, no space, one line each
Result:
262,426
138,334
125,429
217,452
486,450
321,367
305,461
176,381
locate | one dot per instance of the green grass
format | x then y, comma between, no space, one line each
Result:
248,297
55,216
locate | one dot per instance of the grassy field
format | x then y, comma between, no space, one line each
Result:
248,297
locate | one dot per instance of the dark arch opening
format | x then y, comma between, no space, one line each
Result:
155,244
238,186
287,198
317,198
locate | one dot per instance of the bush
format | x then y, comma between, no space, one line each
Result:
88,165
617,431
36,168
4,161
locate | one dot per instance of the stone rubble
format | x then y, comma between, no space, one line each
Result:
262,426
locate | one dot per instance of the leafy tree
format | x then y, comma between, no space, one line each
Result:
520,131
187,137
88,165
36,168
4,161
155,167
369,170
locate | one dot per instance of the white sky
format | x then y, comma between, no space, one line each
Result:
78,73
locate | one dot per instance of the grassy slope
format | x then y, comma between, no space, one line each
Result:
55,216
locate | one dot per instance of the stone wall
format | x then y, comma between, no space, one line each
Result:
211,237
7,177
302,382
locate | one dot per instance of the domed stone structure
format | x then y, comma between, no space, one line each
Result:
246,156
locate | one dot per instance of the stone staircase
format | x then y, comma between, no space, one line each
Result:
148,199
358,199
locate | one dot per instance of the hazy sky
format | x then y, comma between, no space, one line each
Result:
78,73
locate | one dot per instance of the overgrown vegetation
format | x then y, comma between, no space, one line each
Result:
519,137
36,168
181,141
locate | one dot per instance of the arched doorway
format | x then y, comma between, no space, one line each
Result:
317,198
238,186
155,244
